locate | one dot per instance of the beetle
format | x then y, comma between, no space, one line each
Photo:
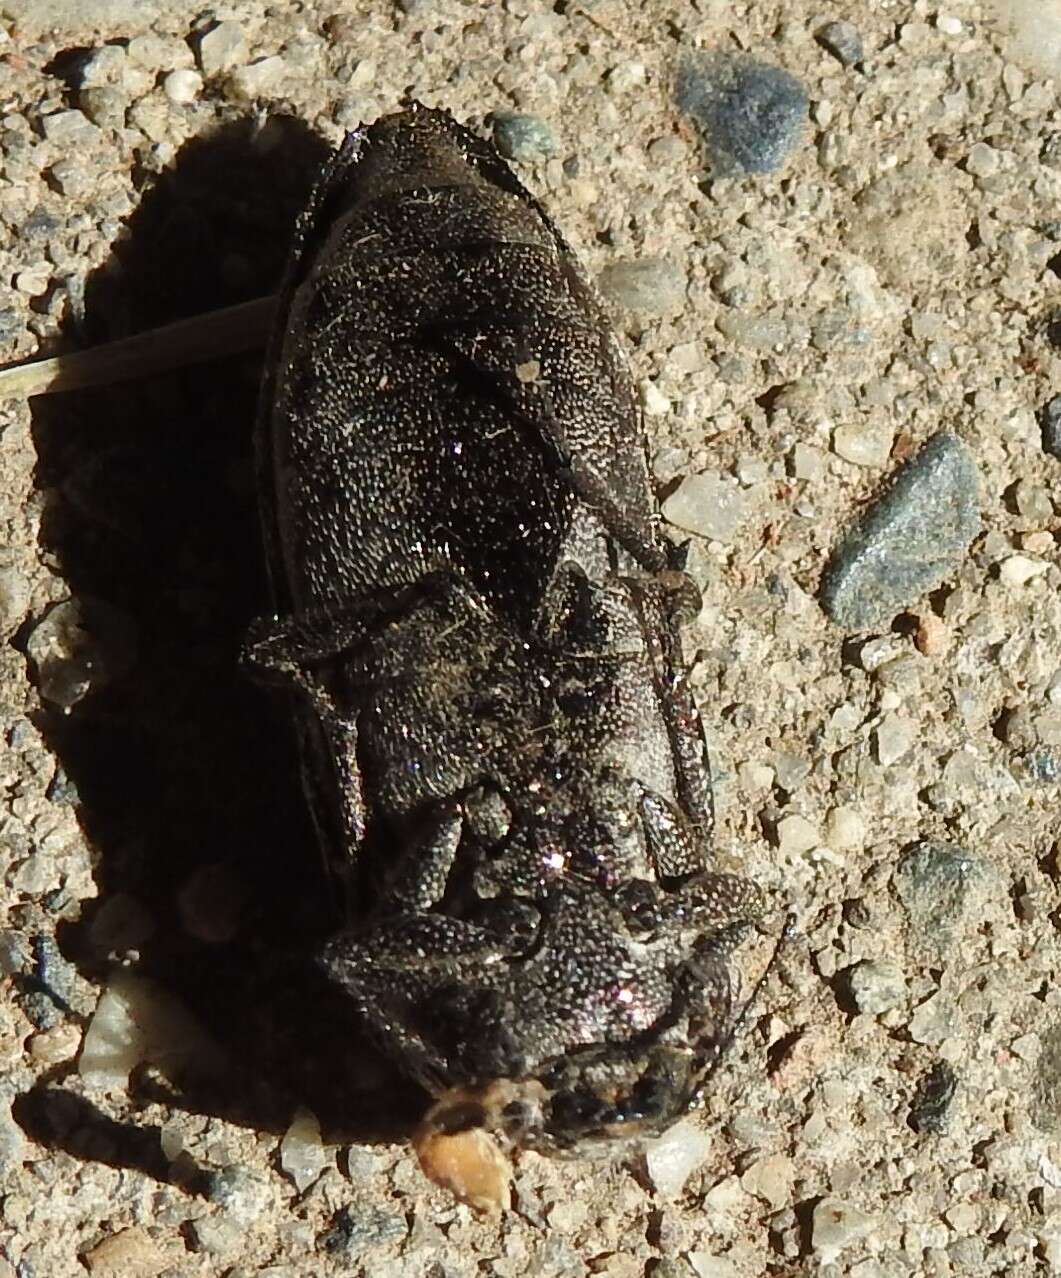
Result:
478,619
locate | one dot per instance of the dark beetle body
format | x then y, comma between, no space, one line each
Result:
480,621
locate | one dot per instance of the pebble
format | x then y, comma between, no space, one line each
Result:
795,835
893,737
653,402
302,1155
930,1107
1050,421
671,1159
1043,766
751,115
868,445
14,598
131,1253
982,160
706,1264
878,652
68,129
843,40
707,505
771,1178
909,540
79,646
105,65
258,79
758,332
1046,1113
357,1228
242,1193
12,1140
844,828
808,462
933,881
876,986
523,138
836,1226
222,48
137,1021
105,107
1018,570
648,286
934,1020
182,86
217,1236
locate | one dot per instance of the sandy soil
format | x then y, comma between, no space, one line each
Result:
894,1107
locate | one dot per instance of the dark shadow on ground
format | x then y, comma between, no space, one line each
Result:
185,770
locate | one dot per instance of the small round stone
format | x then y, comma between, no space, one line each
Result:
182,86
524,138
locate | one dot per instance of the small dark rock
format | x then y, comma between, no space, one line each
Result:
750,114
933,881
1050,421
931,1103
357,1229
843,41
522,137
908,541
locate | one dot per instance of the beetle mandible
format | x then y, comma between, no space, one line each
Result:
479,620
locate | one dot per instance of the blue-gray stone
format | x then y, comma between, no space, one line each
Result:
750,114
909,541
1050,420
522,137
843,41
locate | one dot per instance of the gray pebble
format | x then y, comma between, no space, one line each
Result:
931,1104
69,129
222,48
105,107
79,646
909,540
1043,766
876,987
1050,420
523,138
356,1229
707,505
1046,1110
649,286
14,598
934,882
241,1193
750,114
843,41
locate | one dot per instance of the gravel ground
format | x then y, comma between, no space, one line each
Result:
809,293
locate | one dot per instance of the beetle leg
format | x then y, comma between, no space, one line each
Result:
655,609
282,647
423,872
692,896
